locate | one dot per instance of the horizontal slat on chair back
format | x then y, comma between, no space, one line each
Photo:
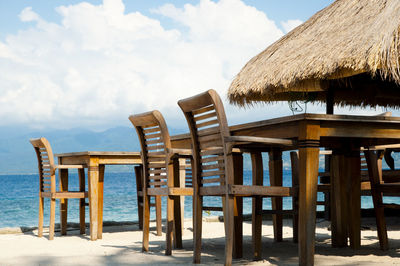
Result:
46,171
45,164
206,130
210,143
187,167
364,169
154,141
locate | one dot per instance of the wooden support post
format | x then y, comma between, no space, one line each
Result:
330,101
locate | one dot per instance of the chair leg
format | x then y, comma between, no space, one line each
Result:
139,176
170,225
146,222
229,224
178,177
81,173
238,207
257,179
294,159
41,209
375,171
63,202
197,227
257,227
295,220
158,215
177,222
275,173
52,218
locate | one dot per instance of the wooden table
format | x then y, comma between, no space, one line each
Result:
345,135
95,162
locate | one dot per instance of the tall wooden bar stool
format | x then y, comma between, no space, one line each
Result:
213,167
47,188
161,175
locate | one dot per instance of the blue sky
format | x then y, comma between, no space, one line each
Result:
91,64
277,10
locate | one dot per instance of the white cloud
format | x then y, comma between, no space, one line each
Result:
290,24
101,64
27,15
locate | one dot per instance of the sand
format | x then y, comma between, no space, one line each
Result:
121,245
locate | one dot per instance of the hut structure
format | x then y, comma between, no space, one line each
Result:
346,54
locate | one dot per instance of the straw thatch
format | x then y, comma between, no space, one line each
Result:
351,47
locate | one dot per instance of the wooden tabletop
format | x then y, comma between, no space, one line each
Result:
287,127
99,153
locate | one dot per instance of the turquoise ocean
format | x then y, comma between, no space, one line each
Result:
19,199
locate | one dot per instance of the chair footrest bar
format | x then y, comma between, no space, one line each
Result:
287,212
212,208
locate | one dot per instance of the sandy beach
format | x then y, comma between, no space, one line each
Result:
121,245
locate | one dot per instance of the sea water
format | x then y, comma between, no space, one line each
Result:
19,202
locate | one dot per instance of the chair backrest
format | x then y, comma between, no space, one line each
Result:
155,142
47,182
205,115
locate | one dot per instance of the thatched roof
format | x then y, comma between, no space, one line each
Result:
351,46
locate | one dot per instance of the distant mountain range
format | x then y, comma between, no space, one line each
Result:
18,157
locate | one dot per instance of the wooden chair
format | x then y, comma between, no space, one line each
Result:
47,188
379,187
161,174
213,165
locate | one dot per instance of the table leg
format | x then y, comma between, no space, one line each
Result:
93,181
339,206
353,178
238,207
100,202
275,175
308,165
63,202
